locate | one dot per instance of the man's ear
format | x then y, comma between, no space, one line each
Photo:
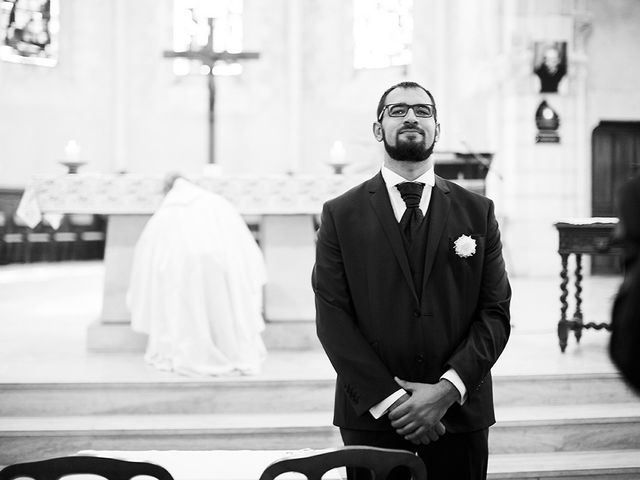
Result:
377,131
437,133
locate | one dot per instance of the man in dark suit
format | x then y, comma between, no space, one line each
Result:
625,321
412,300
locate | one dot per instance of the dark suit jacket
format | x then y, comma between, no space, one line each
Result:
371,322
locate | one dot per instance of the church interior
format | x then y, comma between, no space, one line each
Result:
270,105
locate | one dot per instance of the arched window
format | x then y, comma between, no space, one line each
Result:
383,31
191,20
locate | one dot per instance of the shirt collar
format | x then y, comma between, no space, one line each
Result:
391,178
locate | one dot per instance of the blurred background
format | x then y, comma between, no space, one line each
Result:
271,103
94,80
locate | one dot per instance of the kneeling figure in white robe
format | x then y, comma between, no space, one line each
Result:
196,286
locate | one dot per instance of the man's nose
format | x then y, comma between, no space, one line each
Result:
411,117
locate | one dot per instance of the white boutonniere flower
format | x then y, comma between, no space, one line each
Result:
464,246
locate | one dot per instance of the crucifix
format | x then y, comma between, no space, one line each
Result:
207,56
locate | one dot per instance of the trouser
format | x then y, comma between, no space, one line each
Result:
454,456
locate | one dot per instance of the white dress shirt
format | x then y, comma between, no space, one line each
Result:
391,179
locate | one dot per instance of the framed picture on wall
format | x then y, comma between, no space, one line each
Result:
29,31
550,64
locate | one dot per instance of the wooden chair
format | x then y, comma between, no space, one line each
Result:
14,240
109,468
379,461
64,241
90,230
39,242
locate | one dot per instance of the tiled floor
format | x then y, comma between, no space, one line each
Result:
45,310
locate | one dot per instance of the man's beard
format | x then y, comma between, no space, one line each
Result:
406,151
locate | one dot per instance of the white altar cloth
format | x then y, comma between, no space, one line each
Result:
141,194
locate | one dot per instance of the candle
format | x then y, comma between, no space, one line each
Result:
72,151
337,153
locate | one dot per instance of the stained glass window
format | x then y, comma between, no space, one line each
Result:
383,31
29,31
191,32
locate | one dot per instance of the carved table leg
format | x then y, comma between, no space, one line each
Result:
562,324
577,323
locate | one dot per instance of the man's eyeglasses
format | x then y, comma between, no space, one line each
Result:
401,109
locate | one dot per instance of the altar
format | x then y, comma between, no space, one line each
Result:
285,207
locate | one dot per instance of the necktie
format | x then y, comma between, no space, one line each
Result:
412,217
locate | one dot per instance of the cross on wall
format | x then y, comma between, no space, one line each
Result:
207,56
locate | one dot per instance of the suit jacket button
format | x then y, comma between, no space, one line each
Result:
419,358
416,313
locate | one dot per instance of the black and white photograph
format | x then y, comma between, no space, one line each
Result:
319,239
550,64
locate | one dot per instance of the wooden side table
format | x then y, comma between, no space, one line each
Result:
581,236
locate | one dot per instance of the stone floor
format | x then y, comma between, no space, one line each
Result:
45,310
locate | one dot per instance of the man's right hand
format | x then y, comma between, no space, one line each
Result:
425,436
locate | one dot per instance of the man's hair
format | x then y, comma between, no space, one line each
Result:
383,99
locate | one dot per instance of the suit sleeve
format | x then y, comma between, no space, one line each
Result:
490,327
361,374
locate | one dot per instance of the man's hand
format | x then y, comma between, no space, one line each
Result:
417,418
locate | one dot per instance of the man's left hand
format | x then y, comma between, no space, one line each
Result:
423,410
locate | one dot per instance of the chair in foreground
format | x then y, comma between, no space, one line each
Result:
109,468
380,461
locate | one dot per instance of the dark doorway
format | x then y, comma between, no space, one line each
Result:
615,148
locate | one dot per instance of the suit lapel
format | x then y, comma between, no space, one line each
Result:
438,214
379,198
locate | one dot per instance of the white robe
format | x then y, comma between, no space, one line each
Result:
196,286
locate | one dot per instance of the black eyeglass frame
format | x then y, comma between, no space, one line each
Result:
409,107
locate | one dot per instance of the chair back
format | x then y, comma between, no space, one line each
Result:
109,468
380,461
